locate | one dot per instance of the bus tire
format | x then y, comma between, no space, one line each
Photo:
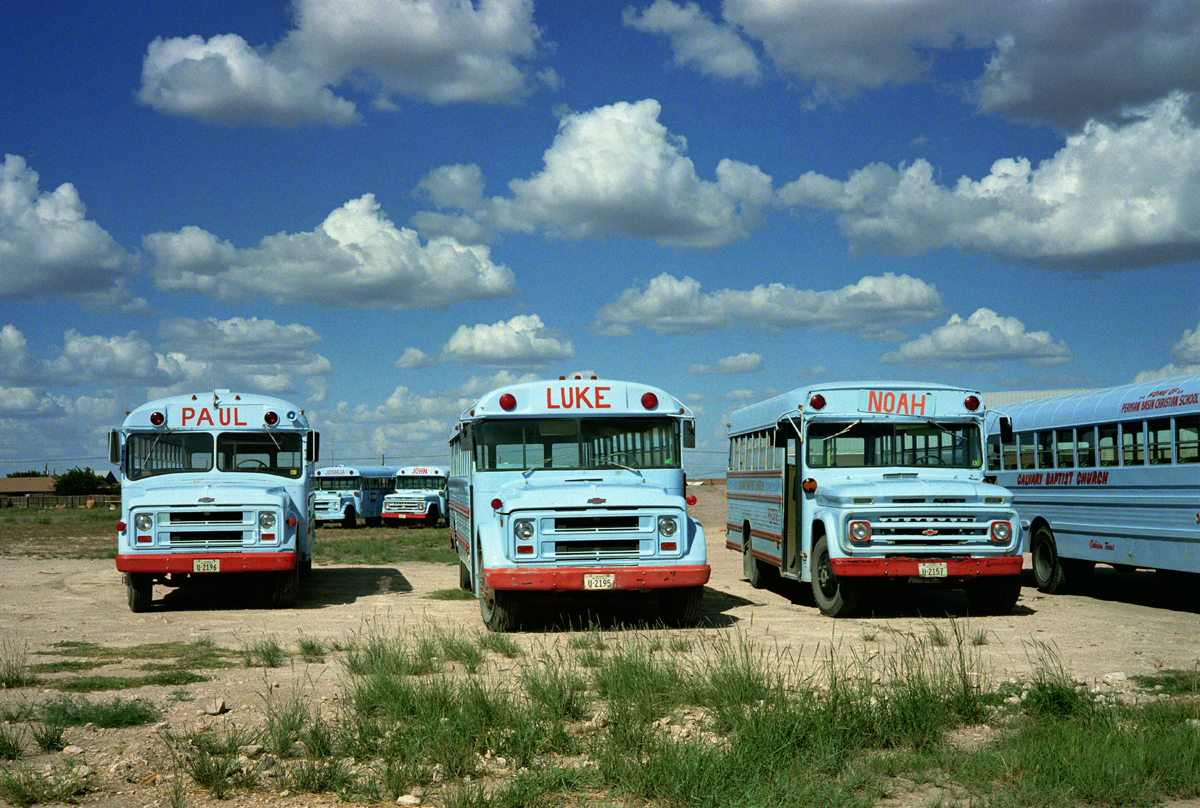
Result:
431,518
464,577
287,585
679,607
1049,572
140,588
499,609
306,566
350,520
835,597
993,595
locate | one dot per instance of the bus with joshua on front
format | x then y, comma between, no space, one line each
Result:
214,483
346,494
857,484
419,495
572,486
1107,476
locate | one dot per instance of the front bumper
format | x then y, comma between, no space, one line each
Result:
570,579
908,567
179,563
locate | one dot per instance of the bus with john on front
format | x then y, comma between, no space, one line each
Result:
1107,476
853,485
419,495
346,494
213,484
572,486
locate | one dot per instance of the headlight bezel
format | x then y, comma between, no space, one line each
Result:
523,529
143,522
667,526
267,520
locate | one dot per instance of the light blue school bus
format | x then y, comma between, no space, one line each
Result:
214,483
864,484
572,486
346,494
419,496
1106,476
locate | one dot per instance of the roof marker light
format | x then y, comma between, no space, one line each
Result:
649,400
270,418
971,403
508,402
157,419
817,402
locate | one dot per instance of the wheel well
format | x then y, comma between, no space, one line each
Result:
745,533
1036,524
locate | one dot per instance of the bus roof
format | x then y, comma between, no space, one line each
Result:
421,471
574,398
766,414
356,471
1159,397
216,409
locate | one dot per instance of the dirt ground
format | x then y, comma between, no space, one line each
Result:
1123,627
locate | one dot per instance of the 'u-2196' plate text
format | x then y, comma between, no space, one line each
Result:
206,565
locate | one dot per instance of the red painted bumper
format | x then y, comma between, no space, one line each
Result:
404,516
901,567
570,579
230,562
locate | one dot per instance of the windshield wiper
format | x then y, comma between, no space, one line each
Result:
541,464
608,458
950,432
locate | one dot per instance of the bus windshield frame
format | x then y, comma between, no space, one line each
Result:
577,444
895,444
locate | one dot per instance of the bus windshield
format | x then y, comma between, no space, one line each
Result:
264,452
339,483
154,453
410,483
860,444
577,443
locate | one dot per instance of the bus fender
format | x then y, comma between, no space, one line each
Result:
695,535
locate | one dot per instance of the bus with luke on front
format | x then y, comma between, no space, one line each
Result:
1107,476
214,483
573,486
854,485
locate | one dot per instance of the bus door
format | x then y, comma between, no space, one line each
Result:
791,563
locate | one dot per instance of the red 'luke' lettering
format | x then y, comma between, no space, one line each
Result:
577,398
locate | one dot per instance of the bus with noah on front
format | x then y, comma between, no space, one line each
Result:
854,485
213,484
572,486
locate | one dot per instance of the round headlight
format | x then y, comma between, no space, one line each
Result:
667,526
1001,531
266,520
143,521
860,531
524,529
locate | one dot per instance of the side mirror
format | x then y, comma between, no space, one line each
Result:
313,449
467,439
114,447
689,434
1006,430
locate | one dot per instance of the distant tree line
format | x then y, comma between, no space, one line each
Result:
76,482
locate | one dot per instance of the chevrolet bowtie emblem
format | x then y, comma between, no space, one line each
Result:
206,499
597,501
929,532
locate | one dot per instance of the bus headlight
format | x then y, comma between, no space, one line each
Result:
143,522
524,529
667,526
266,520
860,531
1001,532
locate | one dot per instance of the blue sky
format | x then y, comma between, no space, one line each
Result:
381,209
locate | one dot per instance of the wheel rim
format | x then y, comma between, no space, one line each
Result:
825,579
1042,563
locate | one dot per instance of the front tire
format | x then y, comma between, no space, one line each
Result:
431,518
994,595
835,597
500,609
140,588
287,585
679,607
350,520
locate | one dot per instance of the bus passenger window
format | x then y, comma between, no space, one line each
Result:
1066,448
1159,437
1083,443
1131,444
1045,449
1025,448
1107,446
1187,439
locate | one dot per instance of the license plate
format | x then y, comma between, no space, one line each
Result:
595,580
206,565
932,569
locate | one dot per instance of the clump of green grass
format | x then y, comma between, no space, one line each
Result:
49,737
75,712
11,747
500,644
450,594
457,648
210,759
1052,693
14,665
265,652
1172,682
92,684
311,650
386,546
24,786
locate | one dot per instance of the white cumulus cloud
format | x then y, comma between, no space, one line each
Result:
355,258
983,338
873,307
413,358
521,342
713,49
741,363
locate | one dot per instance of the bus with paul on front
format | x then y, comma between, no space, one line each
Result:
575,486
213,484
852,486
346,494
418,496
1107,476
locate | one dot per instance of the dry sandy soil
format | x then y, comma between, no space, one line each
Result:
1123,627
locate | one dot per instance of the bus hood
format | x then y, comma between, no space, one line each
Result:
208,494
910,489
607,495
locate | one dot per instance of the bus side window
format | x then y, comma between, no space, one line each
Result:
1107,444
1045,449
1131,444
1065,448
1009,452
1187,439
1084,436
1159,437
1025,449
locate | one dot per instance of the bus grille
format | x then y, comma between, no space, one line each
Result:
404,506
207,539
595,550
595,524
928,530
206,518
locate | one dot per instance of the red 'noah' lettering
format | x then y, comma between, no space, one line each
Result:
889,402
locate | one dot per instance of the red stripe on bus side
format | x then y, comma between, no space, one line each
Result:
773,498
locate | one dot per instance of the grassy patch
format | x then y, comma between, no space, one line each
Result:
14,665
61,784
66,711
1172,682
451,594
92,684
385,545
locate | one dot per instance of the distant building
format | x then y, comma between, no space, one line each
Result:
26,486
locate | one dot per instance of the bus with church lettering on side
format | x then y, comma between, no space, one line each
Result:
1108,476
858,487
570,487
215,484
